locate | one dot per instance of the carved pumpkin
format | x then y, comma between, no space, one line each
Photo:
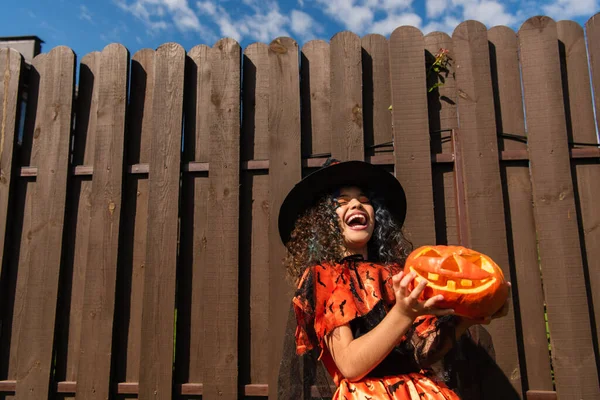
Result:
471,282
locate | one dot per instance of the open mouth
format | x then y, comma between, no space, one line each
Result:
357,221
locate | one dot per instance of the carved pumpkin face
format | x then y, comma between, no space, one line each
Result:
471,282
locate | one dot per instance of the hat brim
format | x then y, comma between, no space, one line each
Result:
367,176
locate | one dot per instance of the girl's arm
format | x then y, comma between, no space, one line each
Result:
357,357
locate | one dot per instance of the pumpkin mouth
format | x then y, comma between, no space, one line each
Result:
464,286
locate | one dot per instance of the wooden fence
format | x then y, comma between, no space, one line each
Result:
138,216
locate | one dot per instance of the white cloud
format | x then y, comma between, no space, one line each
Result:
564,9
389,24
447,25
355,17
85,14
264,25
435,8
490,13
157,26
114,35
303,24
155,12
207,7
389,5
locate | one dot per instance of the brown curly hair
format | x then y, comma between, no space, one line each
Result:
317,238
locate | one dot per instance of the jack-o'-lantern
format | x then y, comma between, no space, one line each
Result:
471,282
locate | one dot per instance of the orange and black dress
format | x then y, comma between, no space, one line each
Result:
360,293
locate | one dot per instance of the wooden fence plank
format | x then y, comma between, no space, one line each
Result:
555,214
521,233
255,142
441,104
411,132
53,131
94,373
132,257
315,92
377,94
347,140
12,238
156,361
284,172
272,130
78,220
541,395
195,226
254,200
486,230
592,28
11,63
220,294
581,128
15,284
441,101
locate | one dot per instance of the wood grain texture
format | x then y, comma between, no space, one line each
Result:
441,101
195,224
483,189
284,172
555,212
259,289
346,98
411,132
156,361
541,395
37,317
15,286
80,194
377,94
11,64
441,105
220,281
132,262
255,136
11,241
315,92
254,199
592,28
521,235
593,37
93,376
581,128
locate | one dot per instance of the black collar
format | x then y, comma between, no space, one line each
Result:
353,257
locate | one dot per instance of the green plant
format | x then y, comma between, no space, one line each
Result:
440,68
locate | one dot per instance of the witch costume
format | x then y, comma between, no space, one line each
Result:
359,293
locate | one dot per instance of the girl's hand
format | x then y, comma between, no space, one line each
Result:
407,302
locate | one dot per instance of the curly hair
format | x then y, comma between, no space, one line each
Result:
317,238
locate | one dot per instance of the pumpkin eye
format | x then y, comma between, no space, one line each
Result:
429,253
486,266
450,264
472,258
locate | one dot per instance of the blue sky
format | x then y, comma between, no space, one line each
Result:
87,26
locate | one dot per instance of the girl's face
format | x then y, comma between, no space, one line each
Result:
356,218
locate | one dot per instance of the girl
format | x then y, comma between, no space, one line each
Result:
342,228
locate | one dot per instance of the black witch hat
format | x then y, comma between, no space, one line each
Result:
333,175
